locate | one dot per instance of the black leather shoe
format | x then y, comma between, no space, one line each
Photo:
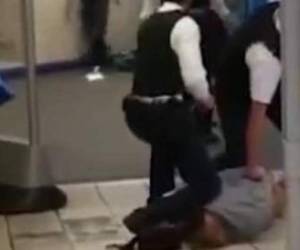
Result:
138,220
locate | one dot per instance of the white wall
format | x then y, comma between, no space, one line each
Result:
10,31
58,32
58,28
122,24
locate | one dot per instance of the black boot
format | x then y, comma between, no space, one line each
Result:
173,209
166,236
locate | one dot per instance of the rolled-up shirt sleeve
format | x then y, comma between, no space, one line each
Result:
264,71
185,41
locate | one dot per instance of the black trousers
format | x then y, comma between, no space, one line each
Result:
94,16
234,117
175,134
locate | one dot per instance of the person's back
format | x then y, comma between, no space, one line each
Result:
214,36
157,71
246,84
213,39
233,72
165,109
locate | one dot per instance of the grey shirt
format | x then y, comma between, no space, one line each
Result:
245,206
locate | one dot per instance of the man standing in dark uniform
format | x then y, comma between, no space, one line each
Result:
248,89
169,95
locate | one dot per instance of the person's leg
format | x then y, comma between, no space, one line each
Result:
234,128
99,48
233,120
196,170
94,15
144,121
87,18
182,207
161,172
192,159
203,184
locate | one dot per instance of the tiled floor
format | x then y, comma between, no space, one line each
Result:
92,220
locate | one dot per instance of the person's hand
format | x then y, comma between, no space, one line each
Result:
255,173
206,105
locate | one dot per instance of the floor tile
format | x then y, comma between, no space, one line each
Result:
104,243
97,245
277,232
123,197
4,237
35,224
125,234
92,229
273,239
83,203
239,247
272,245
54,242
92,220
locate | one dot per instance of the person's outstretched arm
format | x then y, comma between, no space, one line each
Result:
265,73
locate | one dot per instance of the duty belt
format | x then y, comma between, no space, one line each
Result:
157,99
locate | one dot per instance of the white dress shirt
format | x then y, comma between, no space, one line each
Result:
265,70
185,41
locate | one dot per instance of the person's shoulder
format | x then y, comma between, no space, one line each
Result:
258,53
187,20
209,18
186,24
204,13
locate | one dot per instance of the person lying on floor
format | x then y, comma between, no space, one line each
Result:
243,211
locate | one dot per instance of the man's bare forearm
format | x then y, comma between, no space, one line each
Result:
254,137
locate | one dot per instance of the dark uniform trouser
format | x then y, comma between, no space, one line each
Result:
94,14
174,133
234,117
